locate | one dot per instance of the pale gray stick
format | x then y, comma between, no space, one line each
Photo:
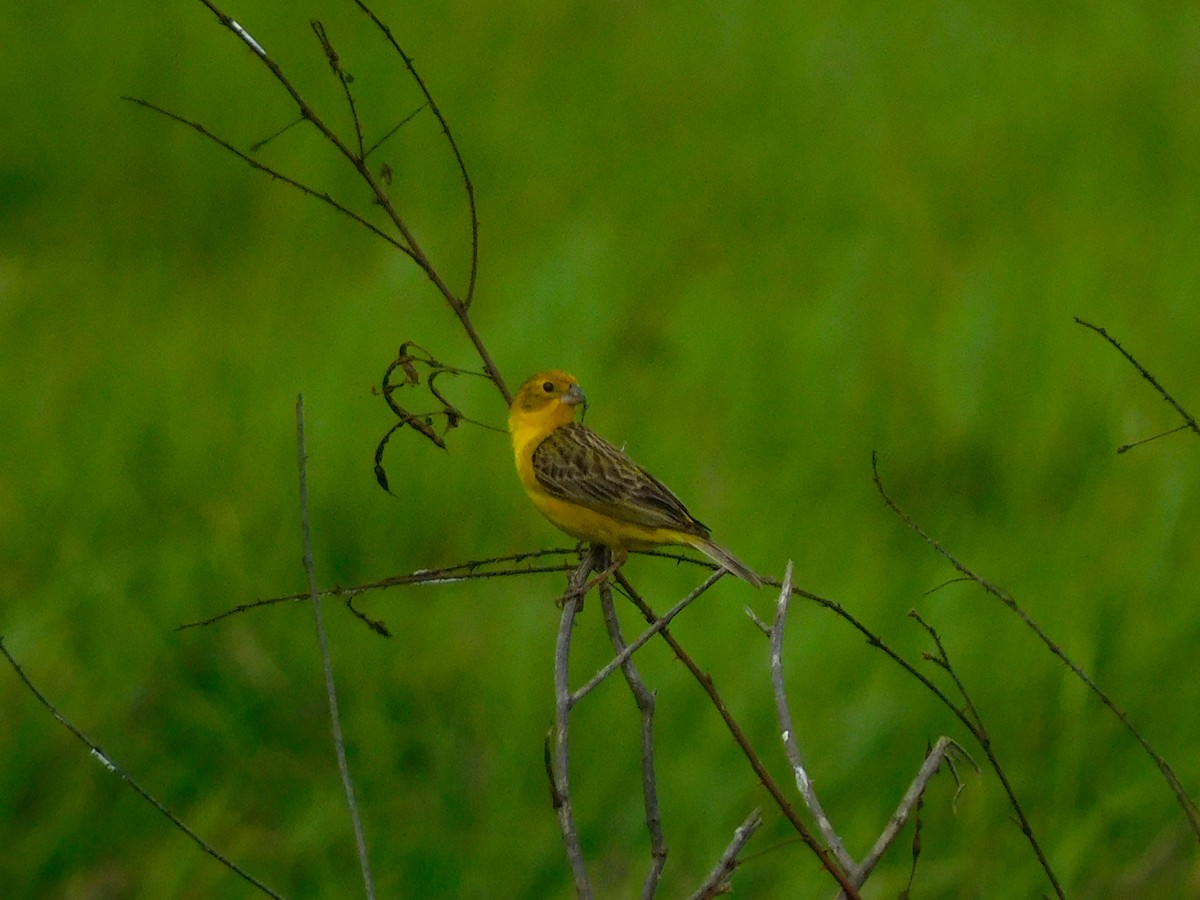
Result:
717,882
791,747
108,763
339,745
933,761
644,698
563,701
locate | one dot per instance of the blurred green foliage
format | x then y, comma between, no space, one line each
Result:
769,239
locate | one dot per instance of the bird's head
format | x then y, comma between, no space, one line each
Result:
549,398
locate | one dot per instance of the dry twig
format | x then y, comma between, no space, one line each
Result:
335,719
717,882
558,750
1189,420
109,764
644,698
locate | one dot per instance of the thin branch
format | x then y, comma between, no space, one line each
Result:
383,140
859,872
458,157
274,173
877,642
358,160
1189,421
335,719
971,715
257,145
476,570
656,626
359,164
110,765
1185,801
717,882
343,78
1125,448
943,751
644,698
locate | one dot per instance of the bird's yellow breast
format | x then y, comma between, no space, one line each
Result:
598,528
577,520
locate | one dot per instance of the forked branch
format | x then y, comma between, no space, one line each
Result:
355,153
942,751
1189,421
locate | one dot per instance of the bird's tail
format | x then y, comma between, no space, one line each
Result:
726,559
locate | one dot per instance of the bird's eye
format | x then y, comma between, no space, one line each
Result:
548,387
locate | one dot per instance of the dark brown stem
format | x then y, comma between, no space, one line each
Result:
1188,805
415,251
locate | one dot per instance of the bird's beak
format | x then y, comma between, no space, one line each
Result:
574,396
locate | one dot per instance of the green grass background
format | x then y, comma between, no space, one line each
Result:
769,239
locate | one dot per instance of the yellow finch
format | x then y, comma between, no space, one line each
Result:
589,488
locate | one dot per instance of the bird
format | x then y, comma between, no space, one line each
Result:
591,490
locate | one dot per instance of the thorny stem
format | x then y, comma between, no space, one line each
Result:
476,570
1189,420
458,158
1181,795
971,715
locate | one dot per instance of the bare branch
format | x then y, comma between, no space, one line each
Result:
458,157
110,765
358,160
970,716
387,134
964,715
859,872
274,173
656,626
717,882
344,79
469,571
1188,420
943,750
559,762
